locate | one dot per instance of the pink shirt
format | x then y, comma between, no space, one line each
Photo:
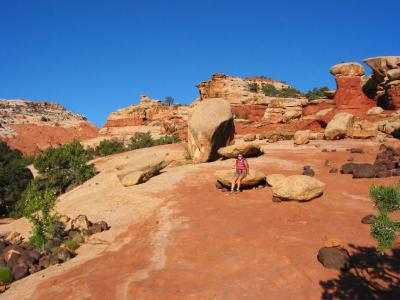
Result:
240,164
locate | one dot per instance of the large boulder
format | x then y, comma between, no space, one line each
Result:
246,149
301,137
254,178
210,127
143,170
299,188
340,126
348,69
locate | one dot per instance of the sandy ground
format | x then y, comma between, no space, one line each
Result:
178,237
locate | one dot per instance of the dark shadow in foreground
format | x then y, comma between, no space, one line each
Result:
371,276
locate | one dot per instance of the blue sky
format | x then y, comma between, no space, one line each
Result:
97,56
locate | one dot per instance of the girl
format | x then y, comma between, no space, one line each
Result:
242,169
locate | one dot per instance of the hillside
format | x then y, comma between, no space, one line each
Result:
33,126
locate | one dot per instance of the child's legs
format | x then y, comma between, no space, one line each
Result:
233,183
239,181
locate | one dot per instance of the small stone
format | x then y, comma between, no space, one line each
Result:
324,150
327,163
368,219
347,168
80,222
350,159
334,258
306,167
309,172
333,170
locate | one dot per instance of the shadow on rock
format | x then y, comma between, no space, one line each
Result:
372,276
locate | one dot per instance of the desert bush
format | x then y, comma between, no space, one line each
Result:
140,140
14,177
253,87
144,140
71,245
272,91
316,93
5,275
44,220
387,200
187,154
108,147
167,139
64,166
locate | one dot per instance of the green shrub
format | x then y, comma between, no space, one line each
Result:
384,229
108,147
71,245
64,166
167,139
253,87
187,154
43,221
5,275
140,140
272,91
145,140
14,178
316,93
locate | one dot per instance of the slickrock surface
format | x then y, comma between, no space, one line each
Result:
33,126
178,237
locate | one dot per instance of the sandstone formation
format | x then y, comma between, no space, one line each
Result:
246,149
254,178
236,89
375,111
283,110
384,84
349,95
339,127
33,126
298,188
210,127
148,116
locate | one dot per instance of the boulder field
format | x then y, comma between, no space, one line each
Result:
178,233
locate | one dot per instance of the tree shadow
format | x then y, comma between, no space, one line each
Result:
371,276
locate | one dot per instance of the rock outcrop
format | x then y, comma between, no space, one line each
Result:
149,115
236,89
33,126
349,95
283,110
210,127
384,83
